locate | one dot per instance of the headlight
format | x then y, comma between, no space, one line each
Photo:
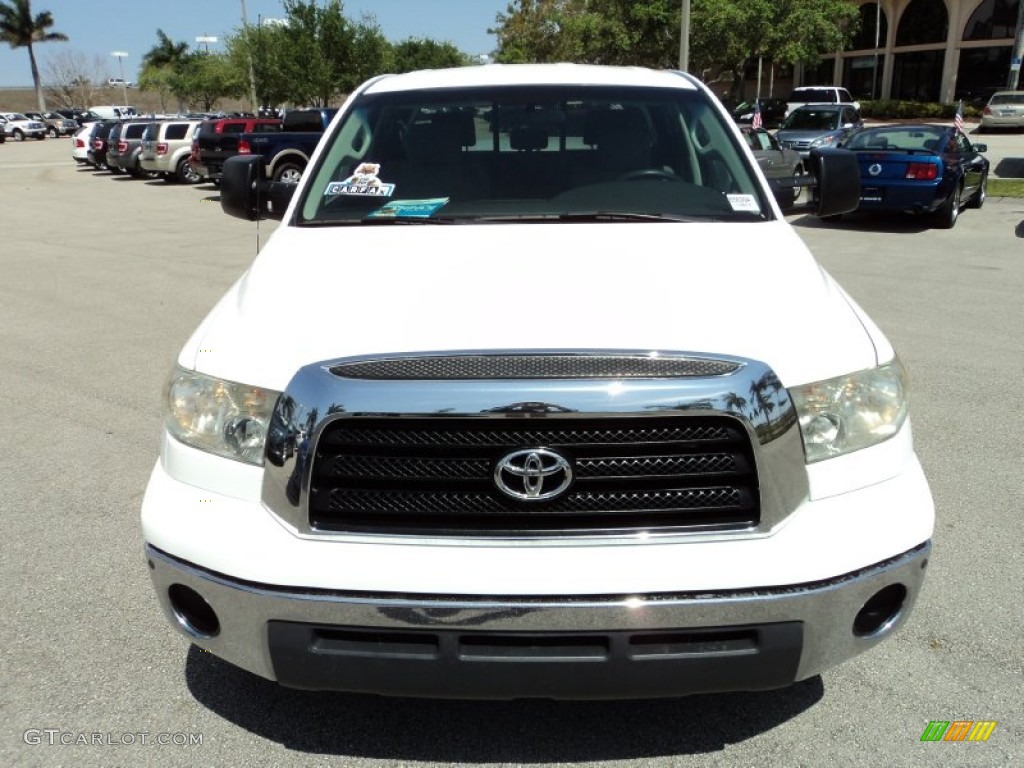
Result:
823,140
221,417
851,412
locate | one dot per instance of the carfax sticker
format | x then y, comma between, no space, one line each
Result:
744,203
363,182
417,209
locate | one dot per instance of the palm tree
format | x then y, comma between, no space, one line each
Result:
165,53
20,29
162,61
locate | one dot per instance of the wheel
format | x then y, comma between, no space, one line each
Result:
946,215
52,132
979,197
18,135
289,173
185,173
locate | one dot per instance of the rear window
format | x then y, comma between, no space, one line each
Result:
303,121
1008,98
176,131
821,95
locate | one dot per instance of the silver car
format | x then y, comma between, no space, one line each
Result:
818,125
778,163
1004,110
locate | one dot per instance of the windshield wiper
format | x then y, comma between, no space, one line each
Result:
589,216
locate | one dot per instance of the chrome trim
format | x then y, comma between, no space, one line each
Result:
827,610
316,397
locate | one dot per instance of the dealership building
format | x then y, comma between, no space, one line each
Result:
926,50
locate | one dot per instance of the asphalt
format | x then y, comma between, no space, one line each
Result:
102,279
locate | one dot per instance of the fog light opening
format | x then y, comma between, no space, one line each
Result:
879,613
193,613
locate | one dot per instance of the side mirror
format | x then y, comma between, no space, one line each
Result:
837,181
246,193
980,147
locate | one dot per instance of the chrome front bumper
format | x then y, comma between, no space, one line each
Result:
621,646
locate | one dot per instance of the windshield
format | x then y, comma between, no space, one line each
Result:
532,153
812,120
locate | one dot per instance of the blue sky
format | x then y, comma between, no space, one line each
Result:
98,27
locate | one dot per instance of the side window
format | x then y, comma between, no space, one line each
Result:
964,144
176,131
233,128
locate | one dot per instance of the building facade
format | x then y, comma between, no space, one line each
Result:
926,50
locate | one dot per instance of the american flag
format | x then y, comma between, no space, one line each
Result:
958,118
755,122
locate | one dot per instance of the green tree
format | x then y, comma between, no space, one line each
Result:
160,68
20,29
726,35
314,57
423,53
202,79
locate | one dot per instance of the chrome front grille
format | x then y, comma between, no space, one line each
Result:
533,366
643,444
435,476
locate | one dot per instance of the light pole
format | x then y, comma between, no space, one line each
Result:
248,48
120,56
684,37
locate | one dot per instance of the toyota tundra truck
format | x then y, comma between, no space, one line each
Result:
509,406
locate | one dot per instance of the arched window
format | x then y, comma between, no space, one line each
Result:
865,37
924,21
992,20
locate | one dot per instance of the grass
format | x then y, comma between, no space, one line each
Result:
1006,187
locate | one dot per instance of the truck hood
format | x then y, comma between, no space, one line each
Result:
736,289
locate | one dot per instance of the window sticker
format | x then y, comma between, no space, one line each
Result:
744,203
364,183
415,209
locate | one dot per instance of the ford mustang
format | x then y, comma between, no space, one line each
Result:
927,169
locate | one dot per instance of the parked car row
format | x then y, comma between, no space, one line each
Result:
139,146
927,169
166,147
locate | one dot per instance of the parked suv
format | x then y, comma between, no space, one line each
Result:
20,127
166,147
56,124
481,460
819,94
818,125
125,151
217,140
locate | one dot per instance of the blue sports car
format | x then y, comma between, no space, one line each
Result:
929,169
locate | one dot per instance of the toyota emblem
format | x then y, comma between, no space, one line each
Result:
533,474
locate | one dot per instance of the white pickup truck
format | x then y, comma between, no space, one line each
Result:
535,393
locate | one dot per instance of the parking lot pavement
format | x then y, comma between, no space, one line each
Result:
102,279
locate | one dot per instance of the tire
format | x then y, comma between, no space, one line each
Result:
52,132
289,172
18,135
949,212
184,172
979,197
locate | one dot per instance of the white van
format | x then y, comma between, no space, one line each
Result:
112,112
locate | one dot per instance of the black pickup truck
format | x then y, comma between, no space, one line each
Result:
217,140
287,151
